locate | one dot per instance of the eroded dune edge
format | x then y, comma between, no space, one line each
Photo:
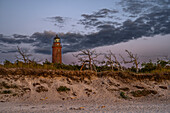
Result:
81,88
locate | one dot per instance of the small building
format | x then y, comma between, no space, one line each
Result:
56,50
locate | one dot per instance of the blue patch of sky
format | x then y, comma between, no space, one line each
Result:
26,16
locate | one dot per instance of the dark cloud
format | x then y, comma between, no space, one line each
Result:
42,39
46,51
57,19
151,24
43,42
133,9
90,20
9,51
144,6
20,36
135,6
1,35
107,26
99,14
15,39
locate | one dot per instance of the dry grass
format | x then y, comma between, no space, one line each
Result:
6,92
63,89
7,86
163,70
81,75
134,76
144,92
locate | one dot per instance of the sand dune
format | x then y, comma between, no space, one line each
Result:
75,93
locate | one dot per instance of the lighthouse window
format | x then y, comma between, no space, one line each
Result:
57,40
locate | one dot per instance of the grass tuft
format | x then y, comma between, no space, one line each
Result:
6,92
7,86
63,89
122,94
140,93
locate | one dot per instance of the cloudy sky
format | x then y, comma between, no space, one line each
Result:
141,26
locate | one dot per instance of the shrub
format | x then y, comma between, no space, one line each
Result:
7,86
122,94
6,92
47,62
7,64
148,67
144,92
132,69
162,63
63,89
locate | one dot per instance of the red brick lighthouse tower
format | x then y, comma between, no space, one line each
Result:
56,56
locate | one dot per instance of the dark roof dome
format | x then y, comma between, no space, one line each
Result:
56,37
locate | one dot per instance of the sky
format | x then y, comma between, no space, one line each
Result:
142,26
27,17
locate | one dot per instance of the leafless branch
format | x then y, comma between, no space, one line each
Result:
133,59
87,57
112,62
24,55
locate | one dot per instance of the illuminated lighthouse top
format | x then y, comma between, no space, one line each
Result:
57,39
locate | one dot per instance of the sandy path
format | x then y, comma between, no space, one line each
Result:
86,107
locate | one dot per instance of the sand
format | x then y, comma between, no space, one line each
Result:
38,94
161,106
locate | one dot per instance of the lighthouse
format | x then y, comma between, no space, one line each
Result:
56,48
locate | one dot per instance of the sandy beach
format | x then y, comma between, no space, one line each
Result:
161,106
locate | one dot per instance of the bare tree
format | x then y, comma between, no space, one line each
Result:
112,62
133,59
24,55
109,60
87,57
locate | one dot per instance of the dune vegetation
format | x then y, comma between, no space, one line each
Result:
27,80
